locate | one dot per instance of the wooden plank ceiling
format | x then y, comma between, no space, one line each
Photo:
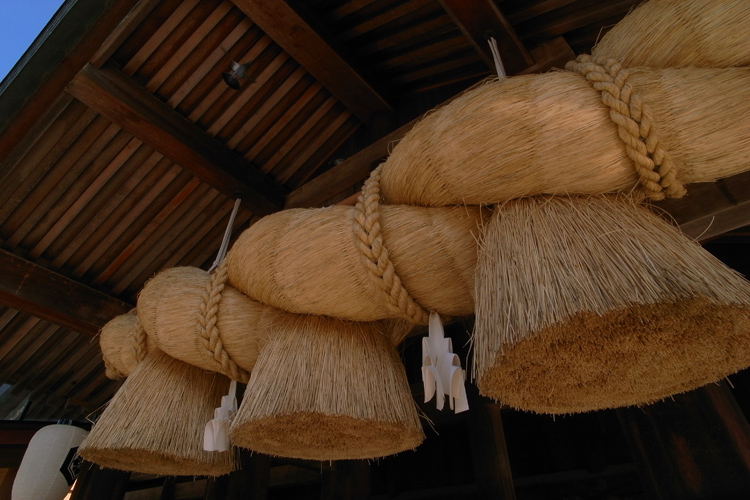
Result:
122,148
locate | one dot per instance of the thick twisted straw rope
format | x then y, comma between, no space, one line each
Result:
208,330
375,254
635,125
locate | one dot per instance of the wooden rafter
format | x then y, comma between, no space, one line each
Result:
137,111
60,51
35,290
301,41
481,19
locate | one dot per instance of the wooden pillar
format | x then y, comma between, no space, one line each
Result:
696,446
217,488
95,483
349,480
491,464
251,481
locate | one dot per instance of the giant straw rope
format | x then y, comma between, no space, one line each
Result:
678,119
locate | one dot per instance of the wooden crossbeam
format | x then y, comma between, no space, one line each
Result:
35,290
305,45
479,20
110,92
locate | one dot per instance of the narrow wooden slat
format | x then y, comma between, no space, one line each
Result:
346,173
534,9
236,43
314,139
161,34
123,30
196,39
577,19
156,124
480,19
297,37
148,206
152,226
47,295
106,201
47,152
373,22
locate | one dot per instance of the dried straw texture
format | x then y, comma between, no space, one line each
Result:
124,344
310,261
681,33
325,389
589,303
172,301
552,134
155,422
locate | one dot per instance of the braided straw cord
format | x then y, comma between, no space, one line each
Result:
375,254
139,341
635,125
208,330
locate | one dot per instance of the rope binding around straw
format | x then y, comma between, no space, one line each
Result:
635,126
375,254
207,328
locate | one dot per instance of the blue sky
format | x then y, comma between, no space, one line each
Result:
20,23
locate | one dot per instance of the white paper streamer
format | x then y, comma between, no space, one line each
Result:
216,435
441,369
496,57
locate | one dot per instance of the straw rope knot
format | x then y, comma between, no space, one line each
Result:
139,341
635,125
375,255
209,331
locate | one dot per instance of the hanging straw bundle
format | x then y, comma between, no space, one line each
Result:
326,389
124,344
363,264
195,318
681,33
555,134
155,422
590,303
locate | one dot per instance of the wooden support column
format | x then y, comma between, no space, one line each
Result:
491,464
349,480
693,447
95,483
250,482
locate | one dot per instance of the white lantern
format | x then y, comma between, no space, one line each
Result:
50,464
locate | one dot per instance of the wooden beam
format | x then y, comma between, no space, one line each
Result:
294,33
489,450
68,42
695,445
712,208
34,290
137,111
481,19
95,483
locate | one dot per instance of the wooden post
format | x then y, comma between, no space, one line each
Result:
695,446
350,480
95,483
251,481
491,465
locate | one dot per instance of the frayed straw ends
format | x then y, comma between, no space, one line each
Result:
325,389
155,422
590,303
